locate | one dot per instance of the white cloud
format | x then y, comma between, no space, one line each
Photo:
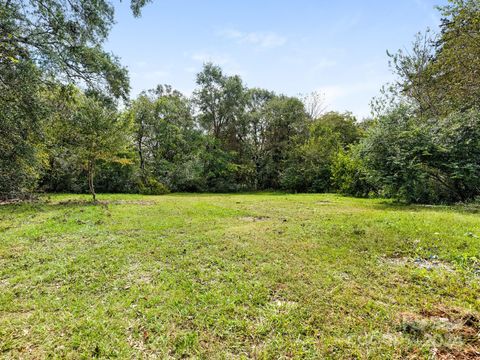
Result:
266,40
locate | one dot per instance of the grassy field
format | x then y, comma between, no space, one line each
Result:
238,276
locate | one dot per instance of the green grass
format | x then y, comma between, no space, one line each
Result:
238,276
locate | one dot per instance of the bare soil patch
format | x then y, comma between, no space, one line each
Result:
254,218
458,327
429,264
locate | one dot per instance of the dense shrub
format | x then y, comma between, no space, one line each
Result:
117,177
349,175
152,187
310,163
427,161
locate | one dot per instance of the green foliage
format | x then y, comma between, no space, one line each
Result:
425,161
64,39
344,125
349,174
44,43
285,124
255,141
393,151
189,176
90,130
457,158
440,72
221,101
59,119
309,166
454,69
62,174
424,146
22,114
166,138
219,170
152,187
117,176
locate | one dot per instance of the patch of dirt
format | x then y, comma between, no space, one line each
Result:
254,218
138,338
429,264
10,202
107,202
143,278
453,354
283,304
457,327
278,299
76,202
21,314
18,200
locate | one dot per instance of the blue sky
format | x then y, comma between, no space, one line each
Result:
290,46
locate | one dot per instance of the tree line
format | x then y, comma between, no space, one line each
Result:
68,125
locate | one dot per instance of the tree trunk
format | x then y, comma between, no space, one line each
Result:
91,174
141,156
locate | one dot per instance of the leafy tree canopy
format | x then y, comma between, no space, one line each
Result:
64,38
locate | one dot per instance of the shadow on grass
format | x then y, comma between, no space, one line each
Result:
472,208
22,208
207,194
45,203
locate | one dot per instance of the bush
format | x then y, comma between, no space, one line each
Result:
188,176
425,161
309,164
116,177
219,168
349,175
153,187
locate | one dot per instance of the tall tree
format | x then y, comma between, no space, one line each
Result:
434,160
314,103
64,38
257,100
456,67
220,100
95,131
310,162
164,134
286,122
22,114
440,74
42,43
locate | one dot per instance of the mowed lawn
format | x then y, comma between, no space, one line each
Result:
238,276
